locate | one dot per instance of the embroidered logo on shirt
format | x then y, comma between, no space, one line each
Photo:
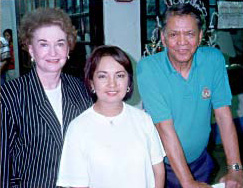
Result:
206,93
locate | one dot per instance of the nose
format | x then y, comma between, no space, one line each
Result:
111,81
52,50
182,39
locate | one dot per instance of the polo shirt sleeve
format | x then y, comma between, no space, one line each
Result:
221,95
73,166
150,91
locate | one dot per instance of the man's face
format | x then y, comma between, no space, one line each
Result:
181,37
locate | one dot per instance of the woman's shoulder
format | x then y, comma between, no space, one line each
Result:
81,124
141,120
136,111
71,79
15,91
74,82
84,117
77,87
16,84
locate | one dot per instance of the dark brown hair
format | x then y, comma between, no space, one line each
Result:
46,17
106,50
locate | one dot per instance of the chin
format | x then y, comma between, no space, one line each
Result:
115,101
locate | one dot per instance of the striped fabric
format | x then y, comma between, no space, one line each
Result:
31,138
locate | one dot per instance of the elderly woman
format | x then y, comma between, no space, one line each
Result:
38,107
112,144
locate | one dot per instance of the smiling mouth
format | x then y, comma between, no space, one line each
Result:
182,51
111,92
53,60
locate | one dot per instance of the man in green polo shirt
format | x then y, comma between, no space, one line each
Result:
179,87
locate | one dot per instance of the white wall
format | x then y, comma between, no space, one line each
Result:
8,21
122,28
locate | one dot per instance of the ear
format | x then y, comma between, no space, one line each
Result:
30,48
200,36
163,38
68,50
91,84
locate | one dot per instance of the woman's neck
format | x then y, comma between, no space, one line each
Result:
108,110
50,81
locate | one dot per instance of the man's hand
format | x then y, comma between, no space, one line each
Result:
196,184
233,179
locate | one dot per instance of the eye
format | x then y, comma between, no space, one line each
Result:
60,44
172,35
101,76
121,75
43,44
191,34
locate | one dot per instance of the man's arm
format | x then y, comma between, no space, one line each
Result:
159,175
176,156
231,146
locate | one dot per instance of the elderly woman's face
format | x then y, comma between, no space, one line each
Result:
49,48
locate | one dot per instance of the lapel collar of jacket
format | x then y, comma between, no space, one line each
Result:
70,102
46,111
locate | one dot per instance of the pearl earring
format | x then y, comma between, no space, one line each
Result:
128,89
93,91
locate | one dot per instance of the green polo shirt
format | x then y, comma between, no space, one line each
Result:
167,95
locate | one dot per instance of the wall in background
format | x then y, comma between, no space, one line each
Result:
8,21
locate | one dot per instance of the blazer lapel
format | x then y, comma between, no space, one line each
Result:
48,115
70,103
46,111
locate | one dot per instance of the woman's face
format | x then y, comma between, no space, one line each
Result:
110,81
49,48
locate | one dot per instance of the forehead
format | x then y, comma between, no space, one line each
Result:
49,33
108,63
185,22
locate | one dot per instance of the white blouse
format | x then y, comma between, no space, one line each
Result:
112,152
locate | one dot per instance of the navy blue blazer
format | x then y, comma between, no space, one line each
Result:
31,137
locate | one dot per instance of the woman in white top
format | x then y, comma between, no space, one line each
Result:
112,144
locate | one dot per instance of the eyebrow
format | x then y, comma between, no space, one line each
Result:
43,40
107,72
174,30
